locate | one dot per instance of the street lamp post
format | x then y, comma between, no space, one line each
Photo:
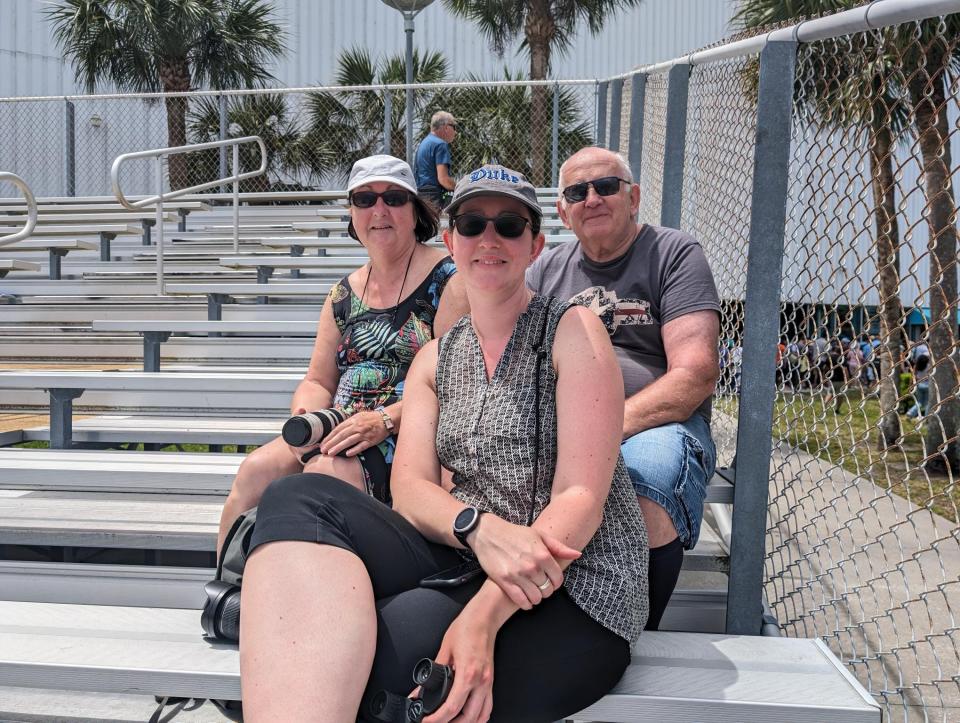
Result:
409,9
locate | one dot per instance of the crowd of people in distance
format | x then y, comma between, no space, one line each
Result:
832,365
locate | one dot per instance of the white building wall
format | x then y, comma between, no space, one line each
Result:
318,30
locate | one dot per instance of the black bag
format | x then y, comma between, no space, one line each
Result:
220,618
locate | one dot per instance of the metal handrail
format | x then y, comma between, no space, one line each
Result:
159,154
31,208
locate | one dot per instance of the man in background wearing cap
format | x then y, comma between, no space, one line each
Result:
432,164
653,290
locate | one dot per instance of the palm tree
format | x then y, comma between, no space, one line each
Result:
547,26
348,125
169,46
488,133
831,94
930,55
265,115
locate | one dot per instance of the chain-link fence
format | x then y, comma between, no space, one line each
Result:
64,146
862,547
862,537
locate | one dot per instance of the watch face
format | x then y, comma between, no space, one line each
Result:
464,521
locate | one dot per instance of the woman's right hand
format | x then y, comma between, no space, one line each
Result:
521,560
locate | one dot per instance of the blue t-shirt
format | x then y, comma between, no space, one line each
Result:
431,152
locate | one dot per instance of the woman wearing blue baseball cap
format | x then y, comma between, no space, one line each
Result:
516,552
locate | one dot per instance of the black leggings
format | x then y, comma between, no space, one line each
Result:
549,662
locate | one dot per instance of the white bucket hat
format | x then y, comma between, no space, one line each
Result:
381,168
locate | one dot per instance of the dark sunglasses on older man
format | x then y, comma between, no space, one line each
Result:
606,186
393,197
508,225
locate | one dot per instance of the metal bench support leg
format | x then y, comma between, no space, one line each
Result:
263,277
61,417
55,256
105,245
182,220
151,349
147,225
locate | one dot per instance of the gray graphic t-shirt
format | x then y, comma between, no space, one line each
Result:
664,275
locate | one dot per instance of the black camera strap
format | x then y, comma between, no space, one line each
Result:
541,353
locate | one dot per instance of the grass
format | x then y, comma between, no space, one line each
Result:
849,440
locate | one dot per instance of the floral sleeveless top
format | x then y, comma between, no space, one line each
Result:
377,345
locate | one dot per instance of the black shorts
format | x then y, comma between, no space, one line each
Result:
549,662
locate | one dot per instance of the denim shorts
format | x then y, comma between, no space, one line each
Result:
672,465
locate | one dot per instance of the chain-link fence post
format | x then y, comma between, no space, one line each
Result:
672,194
555,137
616,100
602,113
222,104
768,216
69,150
387,120
638,91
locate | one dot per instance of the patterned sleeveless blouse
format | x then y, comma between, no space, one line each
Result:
377,345
485,437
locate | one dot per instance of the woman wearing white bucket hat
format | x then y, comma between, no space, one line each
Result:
372,324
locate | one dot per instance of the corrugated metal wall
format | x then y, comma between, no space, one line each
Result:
320,29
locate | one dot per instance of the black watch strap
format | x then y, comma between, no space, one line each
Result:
465,523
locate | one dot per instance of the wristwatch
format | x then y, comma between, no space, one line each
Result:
465,523
387,422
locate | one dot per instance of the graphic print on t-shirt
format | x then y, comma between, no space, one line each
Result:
613,311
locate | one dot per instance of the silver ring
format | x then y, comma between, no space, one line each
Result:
546,584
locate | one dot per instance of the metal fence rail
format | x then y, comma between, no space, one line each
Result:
31,221
166,157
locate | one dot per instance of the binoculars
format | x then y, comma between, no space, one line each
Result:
304,430
434,679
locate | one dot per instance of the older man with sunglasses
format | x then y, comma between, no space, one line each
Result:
653,289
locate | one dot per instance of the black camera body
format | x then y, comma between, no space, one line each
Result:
221,612
435,681
307,429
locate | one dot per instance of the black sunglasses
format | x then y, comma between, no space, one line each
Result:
393,197
508,225
453,125
606,186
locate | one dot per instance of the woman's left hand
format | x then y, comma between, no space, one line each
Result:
356,433
468,647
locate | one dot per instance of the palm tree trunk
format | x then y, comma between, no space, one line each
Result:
888,268
175,77
540,30
927,91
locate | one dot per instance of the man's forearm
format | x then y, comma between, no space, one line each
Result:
674,397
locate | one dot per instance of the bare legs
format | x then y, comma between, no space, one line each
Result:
308,640
272,461
660,529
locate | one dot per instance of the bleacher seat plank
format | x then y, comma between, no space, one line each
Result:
156,586
121,429
680,677
101,519
8,265
85,470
